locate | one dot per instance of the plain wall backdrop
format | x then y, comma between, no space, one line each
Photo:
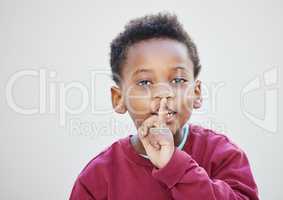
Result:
55,108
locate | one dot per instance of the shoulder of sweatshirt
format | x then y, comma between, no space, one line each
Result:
213,149
100,163
210,137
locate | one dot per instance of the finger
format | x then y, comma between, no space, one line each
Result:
162,111
146,143
154,141
148,123
142,131
146,140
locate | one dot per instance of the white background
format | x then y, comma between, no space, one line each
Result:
40,158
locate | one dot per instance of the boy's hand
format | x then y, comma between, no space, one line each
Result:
158,146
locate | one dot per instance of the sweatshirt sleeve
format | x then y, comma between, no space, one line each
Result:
232,178
81,192
91,182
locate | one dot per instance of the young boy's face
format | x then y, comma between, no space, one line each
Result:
156,69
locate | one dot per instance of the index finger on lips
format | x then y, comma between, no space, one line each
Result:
162,112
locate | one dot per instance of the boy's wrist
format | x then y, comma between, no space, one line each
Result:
166,161
172,172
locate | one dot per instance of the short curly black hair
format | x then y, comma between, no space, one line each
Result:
160,25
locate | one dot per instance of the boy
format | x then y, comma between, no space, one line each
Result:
155,65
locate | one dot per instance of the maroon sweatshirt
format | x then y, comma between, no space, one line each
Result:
209,167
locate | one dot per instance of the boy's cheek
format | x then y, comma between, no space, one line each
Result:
184,103
138,107
139,119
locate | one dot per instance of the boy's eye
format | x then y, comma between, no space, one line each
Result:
144,83
178,80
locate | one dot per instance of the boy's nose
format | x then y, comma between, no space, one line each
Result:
163,91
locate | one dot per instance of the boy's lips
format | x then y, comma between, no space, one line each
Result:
170,115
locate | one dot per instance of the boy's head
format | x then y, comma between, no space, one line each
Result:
154,58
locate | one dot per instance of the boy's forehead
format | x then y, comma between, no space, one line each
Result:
157,54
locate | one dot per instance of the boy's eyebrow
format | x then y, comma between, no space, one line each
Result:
150,71
141,70
179,68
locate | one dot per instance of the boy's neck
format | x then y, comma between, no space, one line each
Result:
136,143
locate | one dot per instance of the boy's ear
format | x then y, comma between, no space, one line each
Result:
197,95
117,100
